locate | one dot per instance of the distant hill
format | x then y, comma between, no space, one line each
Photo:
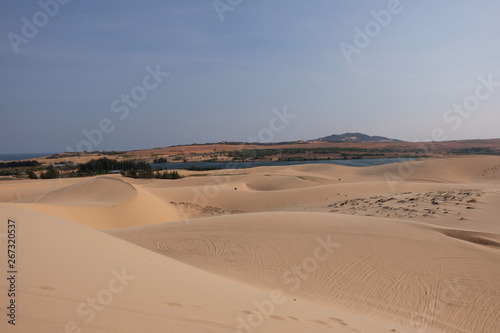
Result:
356,137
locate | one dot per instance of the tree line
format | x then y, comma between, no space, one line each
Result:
18,164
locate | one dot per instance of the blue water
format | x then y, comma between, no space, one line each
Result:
244,165
16,157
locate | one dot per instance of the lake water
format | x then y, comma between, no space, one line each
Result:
244,165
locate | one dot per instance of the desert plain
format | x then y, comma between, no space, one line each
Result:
403,247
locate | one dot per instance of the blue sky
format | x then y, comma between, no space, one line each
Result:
227,76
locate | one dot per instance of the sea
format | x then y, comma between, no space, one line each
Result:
17,157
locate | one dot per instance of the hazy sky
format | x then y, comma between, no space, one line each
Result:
391,68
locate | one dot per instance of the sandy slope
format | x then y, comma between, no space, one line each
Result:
414,247
74,278
388,268
101,203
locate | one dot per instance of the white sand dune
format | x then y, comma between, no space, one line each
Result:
387,268
101,191
101,203
73,278
414,247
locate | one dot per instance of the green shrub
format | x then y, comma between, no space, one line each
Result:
32,175
50,173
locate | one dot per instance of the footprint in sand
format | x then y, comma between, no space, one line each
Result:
245,312
319,322
172,304
47,288
276,317
338,321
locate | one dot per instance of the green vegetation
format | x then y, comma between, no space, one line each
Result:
151,174
262,153
319,153
19,169
111,153
17,164
475,151
128,168
133,169
15,173
104,165
54,156
50,173
77,154
160,160
167,175
32,175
